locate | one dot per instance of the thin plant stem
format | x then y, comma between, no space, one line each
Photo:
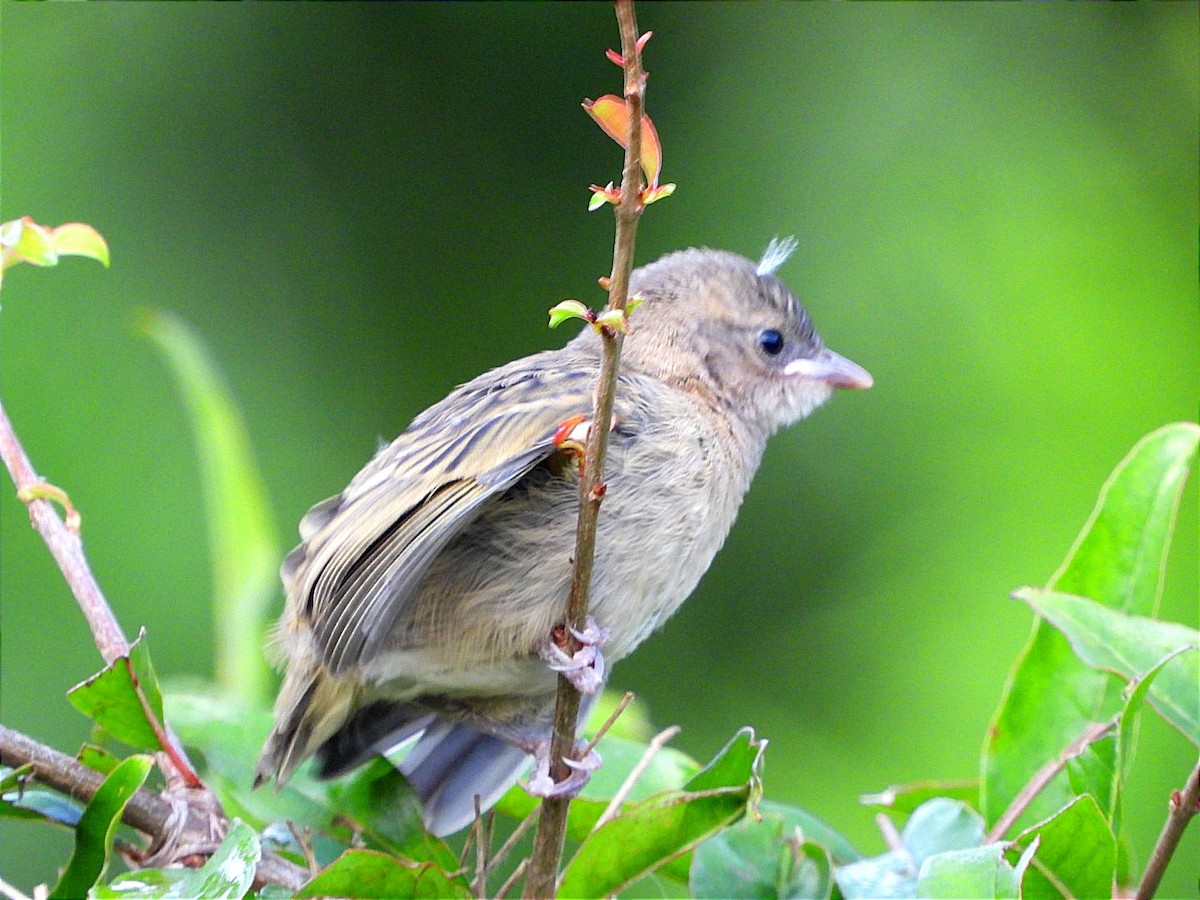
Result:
548,842
1184,805
67,549
1043,776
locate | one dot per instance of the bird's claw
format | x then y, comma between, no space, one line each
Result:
585,667
542,784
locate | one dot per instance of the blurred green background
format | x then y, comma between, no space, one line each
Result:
361,206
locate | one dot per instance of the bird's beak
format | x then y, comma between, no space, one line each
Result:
834,370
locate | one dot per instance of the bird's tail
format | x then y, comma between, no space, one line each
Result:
312,707
449,765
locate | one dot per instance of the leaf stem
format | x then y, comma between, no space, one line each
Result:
1184,806
1042,777
548,842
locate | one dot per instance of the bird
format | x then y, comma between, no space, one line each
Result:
422,598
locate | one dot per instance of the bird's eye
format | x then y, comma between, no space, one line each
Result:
771,341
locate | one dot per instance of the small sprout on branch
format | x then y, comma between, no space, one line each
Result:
43,490
24,240
602,195
617,59
570,309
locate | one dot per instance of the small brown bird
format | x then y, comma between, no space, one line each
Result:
423,596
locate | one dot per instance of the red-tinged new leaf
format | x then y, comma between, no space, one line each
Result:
612,114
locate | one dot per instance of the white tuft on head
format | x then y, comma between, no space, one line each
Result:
776,254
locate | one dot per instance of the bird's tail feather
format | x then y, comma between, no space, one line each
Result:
448,766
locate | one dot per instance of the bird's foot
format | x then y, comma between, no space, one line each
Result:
542,784
585,667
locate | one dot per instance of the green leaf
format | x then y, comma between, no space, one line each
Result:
1076,854
650,834
878,878
227,875
144,884
386,811
124,698
370,874
1117,561
904,798
243,547
980,872
94,833
940,825
98,759
78,239
814,830
568,309
24,240
1131,646
763,859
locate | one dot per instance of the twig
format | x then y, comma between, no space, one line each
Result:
64,546
1042,777
548,843
518,832
1183,807
891,837
614,805
483,840
146,811
67,549
609,722
512,879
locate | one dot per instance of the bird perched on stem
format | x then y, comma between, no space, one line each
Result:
422,599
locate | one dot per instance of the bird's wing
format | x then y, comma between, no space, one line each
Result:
366,551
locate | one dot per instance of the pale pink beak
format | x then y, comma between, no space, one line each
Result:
831,368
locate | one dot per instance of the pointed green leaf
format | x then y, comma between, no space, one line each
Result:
650,834
1076,854
94,833
243,547
78,239
124,698
568,309
1131,646
1117,561
369,874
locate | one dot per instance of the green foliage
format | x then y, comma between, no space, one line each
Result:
685,822
1118,562
124,699
242,544
226,875
97,825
